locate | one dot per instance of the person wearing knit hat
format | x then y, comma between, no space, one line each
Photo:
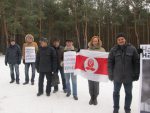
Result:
121,35
123,68
29,43
13,58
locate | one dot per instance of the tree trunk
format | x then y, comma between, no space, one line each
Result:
136,32
76,25
5,31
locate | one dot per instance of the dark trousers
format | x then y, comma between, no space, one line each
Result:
128,95
16,67
41,81
27,65
61,69
93,88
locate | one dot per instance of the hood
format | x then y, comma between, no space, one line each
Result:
90,45
29,35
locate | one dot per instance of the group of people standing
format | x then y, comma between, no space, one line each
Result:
123,66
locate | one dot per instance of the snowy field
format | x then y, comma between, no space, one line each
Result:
22,99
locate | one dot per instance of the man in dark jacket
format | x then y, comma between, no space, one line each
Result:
46,64
123,67
59,52
13,58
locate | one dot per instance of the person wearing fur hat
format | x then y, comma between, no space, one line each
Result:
94,45
13,58
29,43
123,69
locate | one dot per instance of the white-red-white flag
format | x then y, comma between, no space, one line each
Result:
92,65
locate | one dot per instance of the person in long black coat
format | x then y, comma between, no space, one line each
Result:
46,65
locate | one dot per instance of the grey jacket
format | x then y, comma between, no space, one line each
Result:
123,63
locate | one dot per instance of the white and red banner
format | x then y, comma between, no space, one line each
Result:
92,65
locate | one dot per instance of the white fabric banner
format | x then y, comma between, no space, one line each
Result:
30,54
92,65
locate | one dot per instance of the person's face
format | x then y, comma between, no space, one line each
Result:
56,43
29,39
121,41
43,44
69,43
95,42
12,43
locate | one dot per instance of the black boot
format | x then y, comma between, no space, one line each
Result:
91,101
12,81
95,100
25,83
32,83
68,94
55,90
17,82
39,94
115,111
75,97
127,111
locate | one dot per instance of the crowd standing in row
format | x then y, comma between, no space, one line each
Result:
123,67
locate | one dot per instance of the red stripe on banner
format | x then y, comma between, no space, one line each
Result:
80,62
102,64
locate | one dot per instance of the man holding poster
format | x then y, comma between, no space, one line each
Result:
123,67
29,56
69,66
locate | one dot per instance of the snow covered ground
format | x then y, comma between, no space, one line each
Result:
22,99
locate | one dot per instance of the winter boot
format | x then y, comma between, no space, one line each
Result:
95,100
91,100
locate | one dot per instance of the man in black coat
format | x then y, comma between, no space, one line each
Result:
46,64
59,52
13,58
123,67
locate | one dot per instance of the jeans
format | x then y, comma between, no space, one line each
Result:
74,83
62,78
41,81
128,95
27,65
12,66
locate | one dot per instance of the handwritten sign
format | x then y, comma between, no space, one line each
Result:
146,51
69,61
30,55
145,79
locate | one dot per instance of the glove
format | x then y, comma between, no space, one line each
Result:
111,78
78,50
6,63
139,50
23,61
